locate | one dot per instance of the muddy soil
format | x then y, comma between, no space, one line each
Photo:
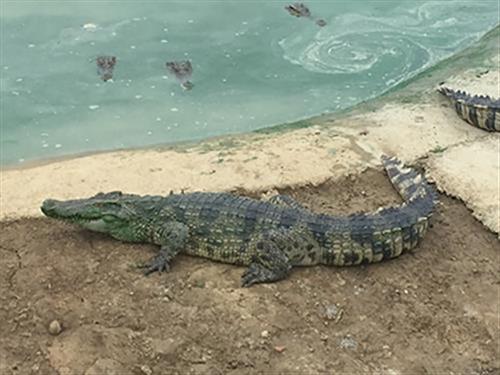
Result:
431,311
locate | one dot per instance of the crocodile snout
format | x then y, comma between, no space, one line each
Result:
48,206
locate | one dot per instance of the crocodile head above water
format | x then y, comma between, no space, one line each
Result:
117,214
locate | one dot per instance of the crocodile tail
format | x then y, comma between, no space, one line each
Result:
446,92
410,184
479,110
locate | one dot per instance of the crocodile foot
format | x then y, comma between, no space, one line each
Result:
158,263
255,274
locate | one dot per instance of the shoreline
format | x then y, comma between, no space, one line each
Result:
412,122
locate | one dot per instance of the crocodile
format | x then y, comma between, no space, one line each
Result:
478,110
105,67
182,71
300,10
270,237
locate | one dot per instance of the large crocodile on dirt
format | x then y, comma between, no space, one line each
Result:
270,237
478,110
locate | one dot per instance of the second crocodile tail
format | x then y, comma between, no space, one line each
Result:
409,183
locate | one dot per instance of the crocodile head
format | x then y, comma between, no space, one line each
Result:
114,213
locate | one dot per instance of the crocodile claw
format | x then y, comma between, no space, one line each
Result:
255,274
249,277
158,263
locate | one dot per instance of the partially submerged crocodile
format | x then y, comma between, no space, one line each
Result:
478,110
270,237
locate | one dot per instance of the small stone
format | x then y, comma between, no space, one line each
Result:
279,349
199,284
146,370
330,312
55,328
264,334
341,280
348,343
339,316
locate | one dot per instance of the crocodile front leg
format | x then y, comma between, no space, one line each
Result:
269,262
172,237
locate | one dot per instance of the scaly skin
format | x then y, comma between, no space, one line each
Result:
269,237
479,111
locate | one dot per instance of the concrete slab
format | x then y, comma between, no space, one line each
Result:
471,172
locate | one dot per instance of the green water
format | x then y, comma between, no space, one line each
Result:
254,65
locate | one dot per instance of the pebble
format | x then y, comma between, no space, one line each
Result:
55,328
341,280
331,312
348,343
264,334
146,370
280,349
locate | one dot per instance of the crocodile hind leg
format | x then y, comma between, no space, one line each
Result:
269,263
275,252
172,237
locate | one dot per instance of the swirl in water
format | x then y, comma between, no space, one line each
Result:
388,55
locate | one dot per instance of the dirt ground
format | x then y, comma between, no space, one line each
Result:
433,311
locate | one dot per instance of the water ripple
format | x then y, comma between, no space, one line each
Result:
385,52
